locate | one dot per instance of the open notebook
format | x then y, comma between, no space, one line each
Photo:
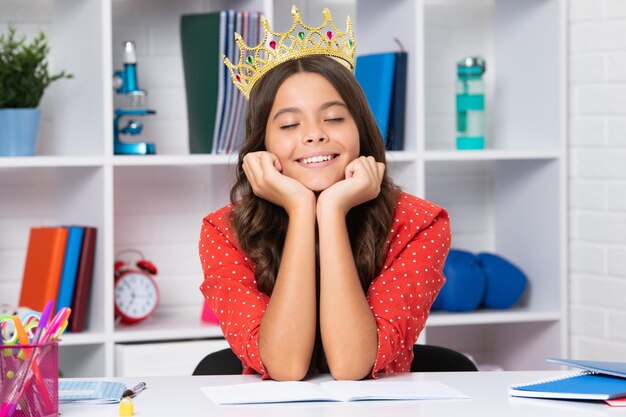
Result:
298,391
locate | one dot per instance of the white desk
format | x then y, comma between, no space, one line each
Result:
181,397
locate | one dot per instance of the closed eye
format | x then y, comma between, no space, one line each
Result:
335,119
290,126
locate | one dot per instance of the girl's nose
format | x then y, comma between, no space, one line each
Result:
315,134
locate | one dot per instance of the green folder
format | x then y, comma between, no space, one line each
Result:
200,41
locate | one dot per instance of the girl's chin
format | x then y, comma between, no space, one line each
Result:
318,187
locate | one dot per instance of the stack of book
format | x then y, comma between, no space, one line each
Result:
59,267
598,380
215,107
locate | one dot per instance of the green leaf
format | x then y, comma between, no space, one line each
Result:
24,74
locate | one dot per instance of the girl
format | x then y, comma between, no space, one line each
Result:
320,263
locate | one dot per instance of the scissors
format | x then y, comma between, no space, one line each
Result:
8,331
14,332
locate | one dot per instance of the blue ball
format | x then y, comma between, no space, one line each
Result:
465,283
505,281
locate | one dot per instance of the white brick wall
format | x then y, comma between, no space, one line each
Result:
597,178
160,211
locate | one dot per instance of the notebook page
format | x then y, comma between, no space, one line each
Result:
297,391
267,392
391,390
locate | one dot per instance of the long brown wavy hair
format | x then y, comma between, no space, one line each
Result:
261,226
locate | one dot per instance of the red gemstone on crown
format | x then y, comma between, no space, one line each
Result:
273,44
238,78
329,34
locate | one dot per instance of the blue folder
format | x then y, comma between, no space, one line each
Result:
70,267
382,77
581,386
599,381
601,367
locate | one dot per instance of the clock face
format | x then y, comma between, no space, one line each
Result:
136,295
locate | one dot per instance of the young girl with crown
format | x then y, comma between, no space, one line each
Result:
320,263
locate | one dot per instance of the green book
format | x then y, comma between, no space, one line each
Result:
202,62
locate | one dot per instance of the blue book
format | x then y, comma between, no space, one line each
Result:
383,80
375,73
70,266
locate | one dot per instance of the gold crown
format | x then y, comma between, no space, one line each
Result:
295,43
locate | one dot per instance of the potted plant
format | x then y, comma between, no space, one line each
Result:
24,77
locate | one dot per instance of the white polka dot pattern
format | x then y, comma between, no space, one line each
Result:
400,297
230,289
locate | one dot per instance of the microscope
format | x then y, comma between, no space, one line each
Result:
125,83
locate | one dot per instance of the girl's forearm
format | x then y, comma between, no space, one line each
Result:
347,325
287,333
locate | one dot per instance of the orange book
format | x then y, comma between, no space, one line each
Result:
42,269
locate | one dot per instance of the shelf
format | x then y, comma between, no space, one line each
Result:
79,339
492,155
518,315
401,156
156,202
165,326
174,160
50,161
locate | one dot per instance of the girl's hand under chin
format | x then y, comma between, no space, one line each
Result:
263,170
362,183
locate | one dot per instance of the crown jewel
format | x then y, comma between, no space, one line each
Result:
297,42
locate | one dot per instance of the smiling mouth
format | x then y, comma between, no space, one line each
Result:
316,159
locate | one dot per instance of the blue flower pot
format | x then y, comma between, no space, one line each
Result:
18,131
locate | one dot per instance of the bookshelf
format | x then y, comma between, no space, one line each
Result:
509,198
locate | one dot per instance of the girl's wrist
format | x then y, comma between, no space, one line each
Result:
302,206
326,208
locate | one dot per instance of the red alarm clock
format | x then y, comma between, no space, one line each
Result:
136,293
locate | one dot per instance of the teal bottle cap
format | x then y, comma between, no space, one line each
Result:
471,65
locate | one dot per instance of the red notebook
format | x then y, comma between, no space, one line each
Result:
84,275
618,402
42,269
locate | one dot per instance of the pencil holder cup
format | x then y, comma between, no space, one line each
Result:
30,380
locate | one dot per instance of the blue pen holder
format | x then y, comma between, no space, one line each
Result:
29,386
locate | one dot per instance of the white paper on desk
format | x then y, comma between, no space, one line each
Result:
391,390
298,391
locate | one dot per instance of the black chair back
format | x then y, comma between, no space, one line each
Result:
222,362
431,358
427,358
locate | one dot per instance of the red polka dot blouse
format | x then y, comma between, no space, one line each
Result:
400,297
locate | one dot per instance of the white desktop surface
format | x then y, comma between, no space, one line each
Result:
181,397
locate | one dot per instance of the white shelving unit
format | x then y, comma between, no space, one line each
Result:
509,198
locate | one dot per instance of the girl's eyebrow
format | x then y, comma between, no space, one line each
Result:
286,110
333,103
297,110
